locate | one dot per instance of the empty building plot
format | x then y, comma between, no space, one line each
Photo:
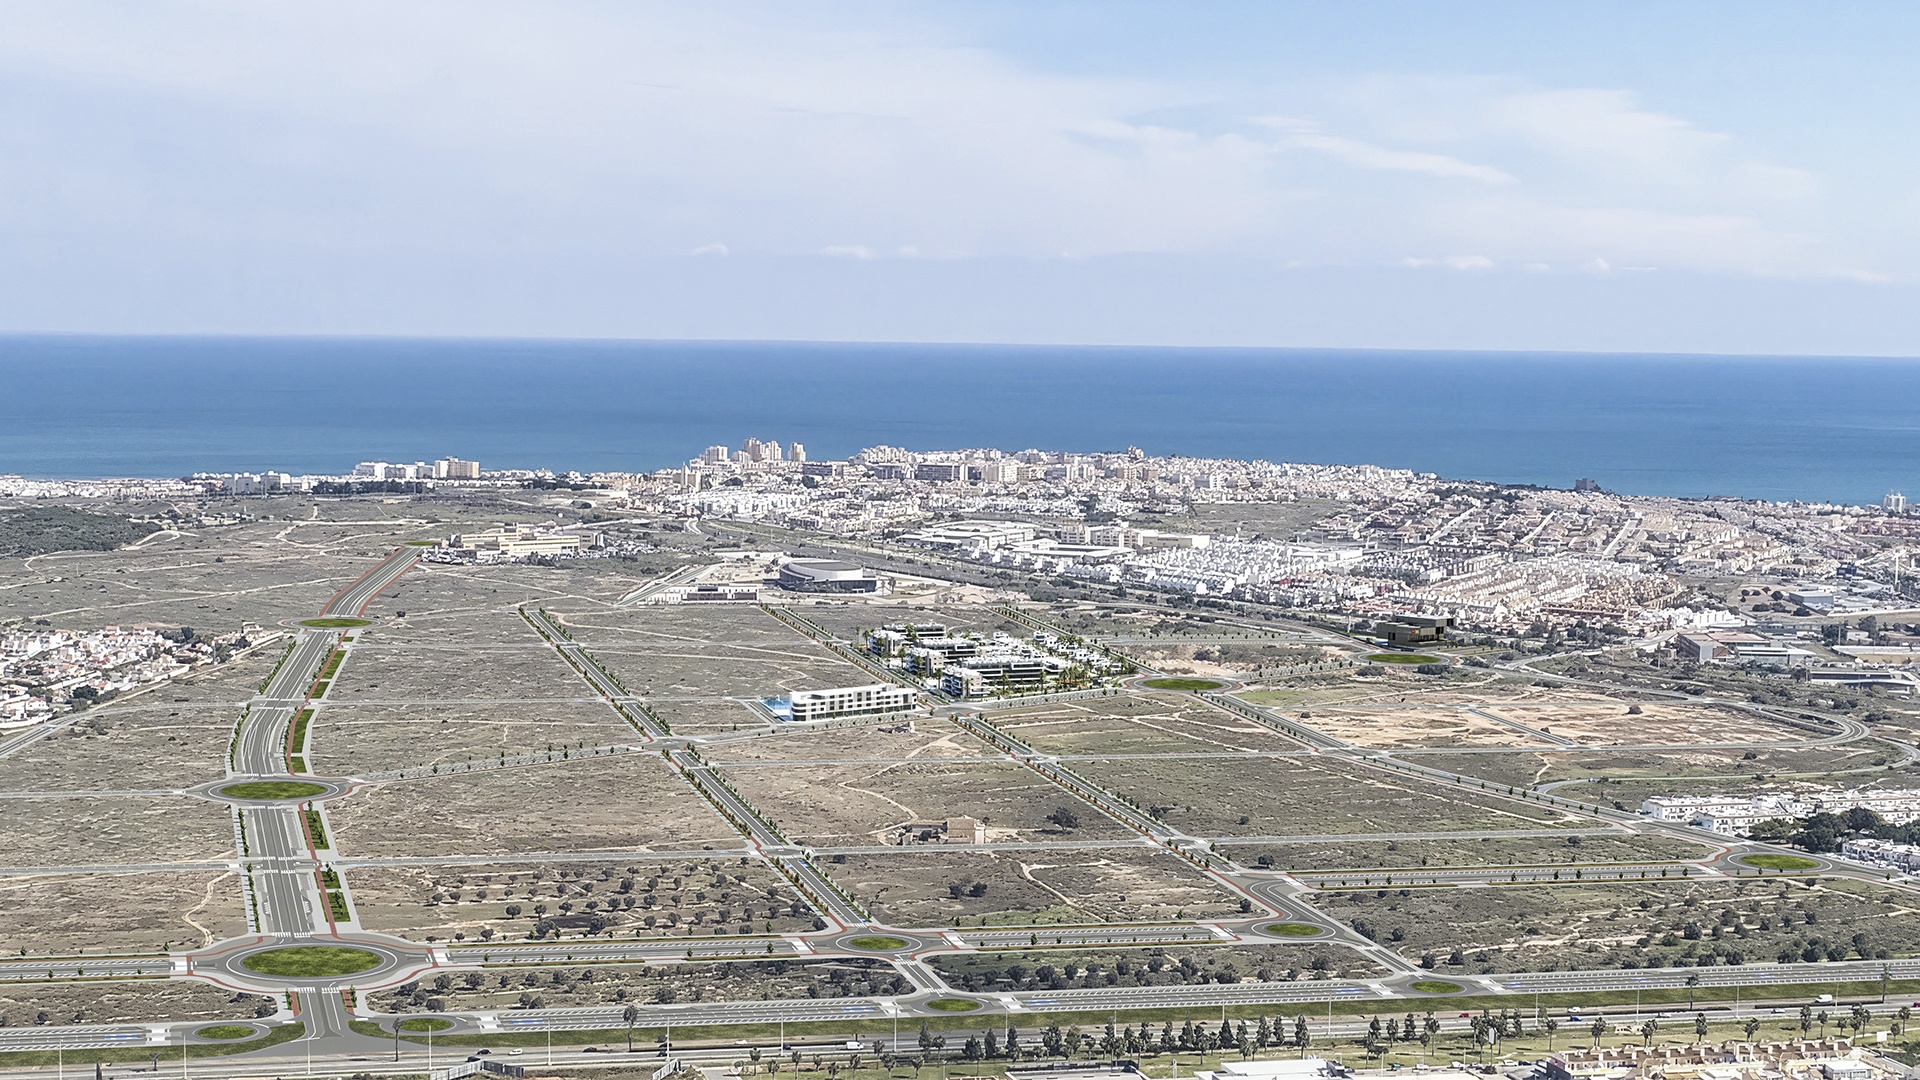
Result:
1297,796
713,716
1577,848
862,803
1672,771
1136,724
644,624
1674,923
1649,724
181,583
714,669
1400,726
587,804
455,673
952,888
511,901
927,738
136,913
126,750
90,831
130,1001
355,740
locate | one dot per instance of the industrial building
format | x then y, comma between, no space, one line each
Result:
827,575
1414,629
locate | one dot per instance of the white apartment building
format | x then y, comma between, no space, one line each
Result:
452,468
1884,853
876,699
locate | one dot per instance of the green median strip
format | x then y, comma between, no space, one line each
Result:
273,789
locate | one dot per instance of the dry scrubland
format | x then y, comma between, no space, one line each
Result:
22,1004
129,913
124,751
1467,850
1635,774
849,805
601,627
1395,727
1147,723
353,740
1299,796
1615,925
1018,888
930,739
116,831
507,901
587,804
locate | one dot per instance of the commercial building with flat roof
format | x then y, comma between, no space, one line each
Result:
876,699
827,575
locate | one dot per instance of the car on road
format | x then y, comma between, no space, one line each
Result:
516,1050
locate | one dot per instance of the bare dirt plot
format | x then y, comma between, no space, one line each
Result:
508,901
654,623
1136,724
227,685
131,913
115,831
1307,796
353,740
1394,727
1655,724
858,804
459,674
121,1002
557,988
1038,887
724,670
104,751
1466,851
711,716
1173,965
628,802
931,739
1220,659
1653,924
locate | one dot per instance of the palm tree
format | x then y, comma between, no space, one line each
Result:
1693,980
1551,1025
631,1014
1751,1027
1700,1027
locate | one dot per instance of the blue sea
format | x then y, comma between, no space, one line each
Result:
1789,428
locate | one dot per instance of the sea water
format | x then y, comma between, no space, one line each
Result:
1816,429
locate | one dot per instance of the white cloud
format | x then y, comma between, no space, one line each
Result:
710,249
1299,135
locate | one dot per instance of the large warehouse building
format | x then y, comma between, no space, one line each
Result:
827,575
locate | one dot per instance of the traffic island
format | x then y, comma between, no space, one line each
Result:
1778,862
311,961
953,1005
271,790
1191,686
1293,929
878,943
1437,986
335,622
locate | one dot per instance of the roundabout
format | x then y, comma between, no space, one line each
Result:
1190,686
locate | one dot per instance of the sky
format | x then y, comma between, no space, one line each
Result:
1738,177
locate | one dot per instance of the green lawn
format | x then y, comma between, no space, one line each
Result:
273,789
878,943
953,1004
311,961
1437,986
1189,685
1780,862
425,1023
1403,658
335,622
1293,929
225,1031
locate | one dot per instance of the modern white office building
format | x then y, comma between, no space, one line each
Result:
877,699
